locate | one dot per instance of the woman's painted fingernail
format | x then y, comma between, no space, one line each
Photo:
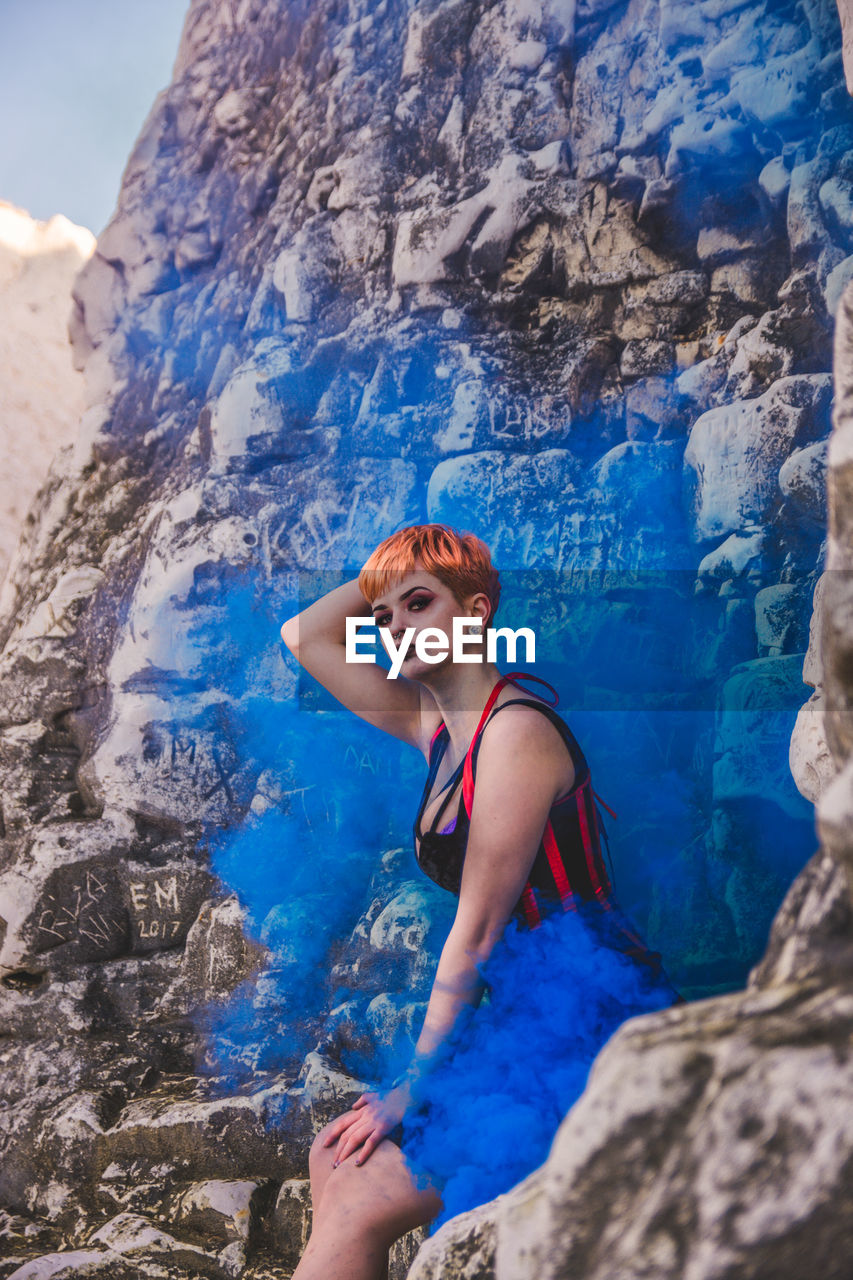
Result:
335,1165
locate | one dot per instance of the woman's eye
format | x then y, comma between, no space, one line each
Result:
419,604
383,620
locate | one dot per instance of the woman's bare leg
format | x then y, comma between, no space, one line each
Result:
320,1162
359,1211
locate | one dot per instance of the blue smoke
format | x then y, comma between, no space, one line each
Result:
330,794
311,823
324,794
490,1112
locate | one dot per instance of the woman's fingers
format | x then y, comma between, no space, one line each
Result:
367,1136
351,1141
365,1125
333,1134
339,1126
370,1145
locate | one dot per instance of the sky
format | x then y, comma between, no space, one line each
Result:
77,79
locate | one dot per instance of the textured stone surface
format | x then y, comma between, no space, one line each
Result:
561,276
712,1140
810,758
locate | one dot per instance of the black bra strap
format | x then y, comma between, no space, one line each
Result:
436,752
436,819
449,786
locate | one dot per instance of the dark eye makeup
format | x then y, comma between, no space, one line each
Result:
416,602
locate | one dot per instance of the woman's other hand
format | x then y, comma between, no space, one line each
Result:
372,1117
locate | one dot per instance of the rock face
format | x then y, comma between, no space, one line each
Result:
562,276
712,1140
41,394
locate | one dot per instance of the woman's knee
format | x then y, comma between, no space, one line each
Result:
318,1144
378,1209
348,1196
320,1157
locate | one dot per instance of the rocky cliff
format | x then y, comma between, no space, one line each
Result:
562,275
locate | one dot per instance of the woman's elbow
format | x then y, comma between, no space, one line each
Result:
290,635
477,938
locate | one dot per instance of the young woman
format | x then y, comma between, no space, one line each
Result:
507,821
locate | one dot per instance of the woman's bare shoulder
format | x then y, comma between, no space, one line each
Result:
521,720
523,764
521,733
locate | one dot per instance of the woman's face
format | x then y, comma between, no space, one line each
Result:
420,600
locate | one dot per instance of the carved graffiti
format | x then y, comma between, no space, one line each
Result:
79,911
363,760
179,756
158,909
517,420
104,909
308,804
224,776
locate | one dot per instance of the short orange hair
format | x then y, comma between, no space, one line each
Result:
462,561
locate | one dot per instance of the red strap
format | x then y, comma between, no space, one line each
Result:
555,862
515,676
607,806
435,735
586,841
511,677
531,910
468,771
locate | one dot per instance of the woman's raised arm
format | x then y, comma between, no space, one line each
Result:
317,639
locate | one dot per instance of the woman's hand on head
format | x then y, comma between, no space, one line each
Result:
373,1116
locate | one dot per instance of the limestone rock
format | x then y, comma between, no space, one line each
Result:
812,765
291,1220
132,1237
65,905
220,1209
217,955
811,936
205,1136
729,1108
542,484
836,641
93,1263
754,689
802,479
778,625
400,930
735,452
836,282
558,274
739,553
